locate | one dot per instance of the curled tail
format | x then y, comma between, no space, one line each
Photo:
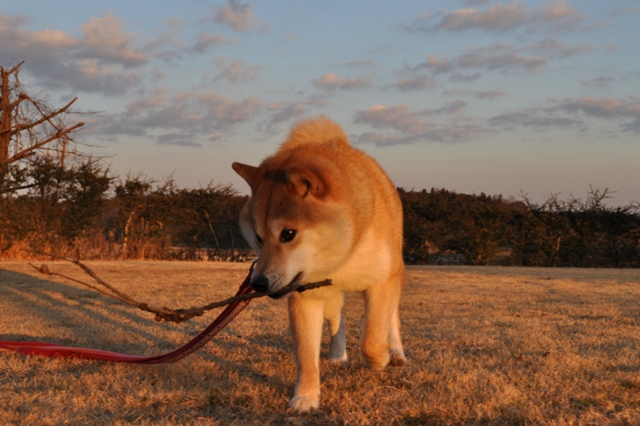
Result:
316,130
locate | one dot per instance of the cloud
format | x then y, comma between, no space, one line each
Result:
111,126
432,132
531,58
39,48
207,40
553,49
332,81
223,112
612,115
292,111
167,46
185,118
478,94
535,118
104,60
601,82
362,63
91,76
415,83
382,139
435,65
329,81
454,107
143,104
413,126
559,16
179,139
105,42
176,21
402,118
607,108
287,112
498,18
464,78
397,117
171,113
501,56
235,71
281,114
237,16
476,2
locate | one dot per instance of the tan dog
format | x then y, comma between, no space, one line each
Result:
322,209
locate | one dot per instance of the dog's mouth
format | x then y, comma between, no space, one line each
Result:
292,286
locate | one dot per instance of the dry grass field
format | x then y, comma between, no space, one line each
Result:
485,346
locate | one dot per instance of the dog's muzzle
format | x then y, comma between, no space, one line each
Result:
261,285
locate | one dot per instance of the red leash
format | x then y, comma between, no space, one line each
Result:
55,350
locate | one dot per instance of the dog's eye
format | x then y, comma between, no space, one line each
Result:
258,239
287,235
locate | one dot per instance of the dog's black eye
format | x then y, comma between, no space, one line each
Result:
258,239
287,235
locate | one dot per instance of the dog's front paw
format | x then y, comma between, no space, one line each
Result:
303,404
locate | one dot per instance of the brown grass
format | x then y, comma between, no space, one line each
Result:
485,346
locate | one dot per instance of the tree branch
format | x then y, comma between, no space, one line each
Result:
16,188
49,139
12,70
45,116
161,313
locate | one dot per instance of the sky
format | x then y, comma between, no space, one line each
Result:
500,97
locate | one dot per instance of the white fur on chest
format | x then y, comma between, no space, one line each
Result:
369,264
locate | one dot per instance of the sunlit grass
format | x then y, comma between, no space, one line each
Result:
485,345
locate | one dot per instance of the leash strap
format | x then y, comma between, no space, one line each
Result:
55,350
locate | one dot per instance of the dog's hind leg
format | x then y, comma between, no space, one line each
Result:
306,317
333,315
396,350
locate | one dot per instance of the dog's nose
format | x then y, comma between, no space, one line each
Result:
260,284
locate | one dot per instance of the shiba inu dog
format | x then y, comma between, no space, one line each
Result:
320,208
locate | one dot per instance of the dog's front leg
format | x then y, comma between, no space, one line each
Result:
382,323
306,318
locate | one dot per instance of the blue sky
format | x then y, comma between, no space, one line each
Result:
500,97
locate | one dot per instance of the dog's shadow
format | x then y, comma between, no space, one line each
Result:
67,308
79,317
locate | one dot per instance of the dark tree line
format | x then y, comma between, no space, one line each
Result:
81,210
445,227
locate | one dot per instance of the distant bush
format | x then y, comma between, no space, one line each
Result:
81,210
445,227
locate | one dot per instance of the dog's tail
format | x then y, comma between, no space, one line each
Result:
316,130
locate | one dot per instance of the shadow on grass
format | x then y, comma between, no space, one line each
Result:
69,308
84,318
77,317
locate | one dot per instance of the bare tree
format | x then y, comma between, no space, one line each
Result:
29,126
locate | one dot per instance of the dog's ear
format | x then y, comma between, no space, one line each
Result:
302,181
251,174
